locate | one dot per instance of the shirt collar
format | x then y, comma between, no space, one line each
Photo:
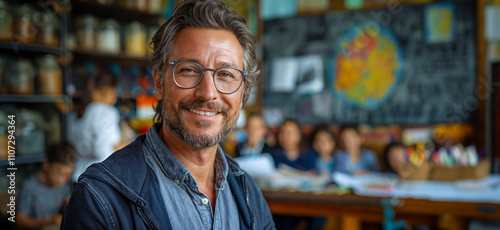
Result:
172,167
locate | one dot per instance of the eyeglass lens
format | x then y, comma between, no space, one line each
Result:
188,75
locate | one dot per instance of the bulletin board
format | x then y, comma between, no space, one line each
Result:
410,65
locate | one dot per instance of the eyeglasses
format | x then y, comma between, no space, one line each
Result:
187,75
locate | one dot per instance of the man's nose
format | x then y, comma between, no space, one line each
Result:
206,89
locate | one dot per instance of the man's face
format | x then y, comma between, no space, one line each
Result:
201,116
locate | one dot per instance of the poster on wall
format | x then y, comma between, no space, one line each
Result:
439,22
379,66
366,65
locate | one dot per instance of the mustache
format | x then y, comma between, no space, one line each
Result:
222,108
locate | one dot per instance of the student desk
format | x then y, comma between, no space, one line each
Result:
353,209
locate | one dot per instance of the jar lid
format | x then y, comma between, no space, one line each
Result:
110,23
87,20
48,60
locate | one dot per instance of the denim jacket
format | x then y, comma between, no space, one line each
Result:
122,193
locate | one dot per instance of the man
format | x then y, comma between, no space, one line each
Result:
176,176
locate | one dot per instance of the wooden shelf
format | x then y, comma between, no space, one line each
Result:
37,158
33,98
112,11
17,47
102,57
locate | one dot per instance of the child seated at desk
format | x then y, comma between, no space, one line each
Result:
394,157
44,195
289,151
323,145
255,143
354,159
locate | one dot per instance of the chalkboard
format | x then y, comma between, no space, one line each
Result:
436,80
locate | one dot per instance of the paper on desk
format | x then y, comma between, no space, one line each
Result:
486,190
260,166
292,179
370,183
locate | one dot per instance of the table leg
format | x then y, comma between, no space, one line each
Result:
451,222
350,223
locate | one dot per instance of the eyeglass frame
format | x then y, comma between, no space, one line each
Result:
174,63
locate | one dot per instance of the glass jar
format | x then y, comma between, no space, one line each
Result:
3,135
21,78
86,34
140,5
3,80
24,30
106,2
151,32
108,38
135,39
156,6
127,4
30,133
47,28
49,75
5,21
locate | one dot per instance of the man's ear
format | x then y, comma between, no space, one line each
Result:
158,84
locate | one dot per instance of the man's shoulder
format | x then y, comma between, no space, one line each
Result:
127,165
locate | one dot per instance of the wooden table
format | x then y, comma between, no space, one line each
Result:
354,209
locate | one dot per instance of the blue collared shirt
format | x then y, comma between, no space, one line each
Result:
187,206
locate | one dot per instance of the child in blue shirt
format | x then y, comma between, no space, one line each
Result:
289,151
323,146
43,195
354,159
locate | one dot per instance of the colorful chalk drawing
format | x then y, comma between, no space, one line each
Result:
367,64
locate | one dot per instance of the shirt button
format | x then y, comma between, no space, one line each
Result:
176,182
186,178
204,201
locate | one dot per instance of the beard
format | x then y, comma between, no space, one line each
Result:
172,120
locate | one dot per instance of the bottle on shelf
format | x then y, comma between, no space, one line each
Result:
106,2
86,34
49,75
5,21
3,80
139,5
108,37
24,29
135,39
151,33
156,6
47,28
21,77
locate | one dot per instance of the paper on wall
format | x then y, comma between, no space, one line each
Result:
284,74
492,20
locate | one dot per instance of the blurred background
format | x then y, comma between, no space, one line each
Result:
406,92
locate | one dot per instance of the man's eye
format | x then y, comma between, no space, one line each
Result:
225,74
188,70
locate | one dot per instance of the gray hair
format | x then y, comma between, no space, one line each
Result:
204,14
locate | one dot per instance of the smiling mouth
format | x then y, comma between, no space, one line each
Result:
204,113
